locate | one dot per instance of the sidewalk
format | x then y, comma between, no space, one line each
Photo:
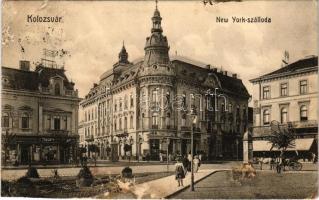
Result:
167,186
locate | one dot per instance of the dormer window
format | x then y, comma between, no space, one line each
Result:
57,89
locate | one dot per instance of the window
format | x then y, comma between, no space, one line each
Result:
125,123
154,96
168,120
57,89
303,87
131,121
266,117
284,89
5,120
266,92
115,107
154,119
115,127
25,121
283,115
132,101
57,123
183,119
303,113
125,102
230,108
120,124
65,122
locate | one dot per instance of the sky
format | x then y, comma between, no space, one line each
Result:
92,32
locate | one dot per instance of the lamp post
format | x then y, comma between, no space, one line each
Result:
194,115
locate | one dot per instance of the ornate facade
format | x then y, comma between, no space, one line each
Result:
142,110
39,115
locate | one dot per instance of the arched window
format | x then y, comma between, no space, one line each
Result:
57,89
283,115
266,117
303,113
5,120
24,121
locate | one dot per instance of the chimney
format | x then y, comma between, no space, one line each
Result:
25,65
207,66
214,69
234,75
225,72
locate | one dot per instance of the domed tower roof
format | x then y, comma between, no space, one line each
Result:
156,47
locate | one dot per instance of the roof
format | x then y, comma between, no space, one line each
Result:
195,69
20,79
305,64
29,80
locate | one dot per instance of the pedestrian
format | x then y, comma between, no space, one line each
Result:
185,163
179,172
313,157
161,157
272,163
196,164
278,165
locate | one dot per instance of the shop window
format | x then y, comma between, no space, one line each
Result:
25,121
5,120
303,113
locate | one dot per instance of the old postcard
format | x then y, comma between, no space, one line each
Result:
199,99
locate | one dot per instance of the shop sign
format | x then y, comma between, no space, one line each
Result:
47,139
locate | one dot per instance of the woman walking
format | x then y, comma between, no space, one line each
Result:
196,164
179,172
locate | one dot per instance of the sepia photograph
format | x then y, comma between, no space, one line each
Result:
159,99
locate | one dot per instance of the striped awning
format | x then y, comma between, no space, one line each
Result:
301,144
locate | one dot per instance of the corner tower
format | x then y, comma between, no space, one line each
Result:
156,47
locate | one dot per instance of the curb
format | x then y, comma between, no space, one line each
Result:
187,186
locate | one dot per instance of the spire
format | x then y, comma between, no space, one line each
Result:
157,20
123,55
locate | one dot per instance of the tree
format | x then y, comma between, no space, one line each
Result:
282,137
7,140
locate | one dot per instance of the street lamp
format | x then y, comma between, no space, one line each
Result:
194,116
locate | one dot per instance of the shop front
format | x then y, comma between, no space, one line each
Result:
42,150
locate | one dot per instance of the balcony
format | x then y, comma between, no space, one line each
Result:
185,128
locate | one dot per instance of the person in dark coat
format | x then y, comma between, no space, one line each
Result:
179,172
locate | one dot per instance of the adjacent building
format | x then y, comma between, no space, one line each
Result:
288,95
146,109
39,115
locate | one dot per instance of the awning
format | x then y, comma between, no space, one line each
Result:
302,144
